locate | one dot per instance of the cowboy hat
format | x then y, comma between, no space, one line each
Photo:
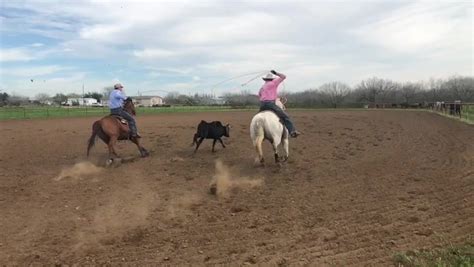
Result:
118,86
268,77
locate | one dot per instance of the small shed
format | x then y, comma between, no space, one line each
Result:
148,101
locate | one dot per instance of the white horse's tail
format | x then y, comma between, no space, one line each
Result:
258,135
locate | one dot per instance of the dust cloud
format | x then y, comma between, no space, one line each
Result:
183,205
223,182
125,210
77,171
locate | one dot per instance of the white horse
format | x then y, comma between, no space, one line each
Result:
267,125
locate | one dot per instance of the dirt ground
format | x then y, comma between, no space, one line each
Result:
359,187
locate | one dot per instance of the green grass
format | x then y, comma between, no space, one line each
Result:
462,256
17,113
467,114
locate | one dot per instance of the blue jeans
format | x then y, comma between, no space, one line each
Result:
270,105
131,121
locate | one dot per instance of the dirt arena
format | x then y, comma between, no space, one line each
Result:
359,187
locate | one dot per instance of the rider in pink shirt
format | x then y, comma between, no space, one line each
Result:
268,94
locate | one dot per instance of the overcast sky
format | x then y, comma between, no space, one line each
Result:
194,46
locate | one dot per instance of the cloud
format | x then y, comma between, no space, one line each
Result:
32,72
420,26
104,32
15,54
154,53
191,46
228,29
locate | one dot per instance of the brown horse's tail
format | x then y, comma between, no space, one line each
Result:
95,130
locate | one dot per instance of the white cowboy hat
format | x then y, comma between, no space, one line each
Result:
268,77
118,86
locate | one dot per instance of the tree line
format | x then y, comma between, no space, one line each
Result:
371,91
334,94
338,94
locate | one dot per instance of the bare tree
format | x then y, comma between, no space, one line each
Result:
375,89
17,100
460,88
95,95
409,91
42,98
244,98
334,92
433,90
3,99
59,98
74,95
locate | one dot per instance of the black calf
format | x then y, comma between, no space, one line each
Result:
210,130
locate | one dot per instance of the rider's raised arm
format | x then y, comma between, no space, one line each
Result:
121,95
281,75
280,78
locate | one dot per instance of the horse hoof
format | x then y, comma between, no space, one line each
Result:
259,162
144,153
109,162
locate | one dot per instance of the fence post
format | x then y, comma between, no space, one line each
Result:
24,112
47,112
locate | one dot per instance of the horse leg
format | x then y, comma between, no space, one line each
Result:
111,144
112,153
143,151
286,148
275,144
222,143
277,158
198,144
213,145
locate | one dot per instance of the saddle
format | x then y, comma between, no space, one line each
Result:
280,119
120,119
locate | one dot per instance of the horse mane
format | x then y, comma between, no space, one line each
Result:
128,106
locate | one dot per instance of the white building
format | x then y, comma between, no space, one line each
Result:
148,101
86,101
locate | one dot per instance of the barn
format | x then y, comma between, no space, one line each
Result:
148,101
86,101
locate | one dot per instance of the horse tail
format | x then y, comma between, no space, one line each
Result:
258,145
259,138
95,130
257,134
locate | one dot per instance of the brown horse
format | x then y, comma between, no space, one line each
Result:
112,128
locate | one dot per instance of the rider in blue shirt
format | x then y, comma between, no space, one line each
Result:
116,98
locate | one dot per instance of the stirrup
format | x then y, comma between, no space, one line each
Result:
295,134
